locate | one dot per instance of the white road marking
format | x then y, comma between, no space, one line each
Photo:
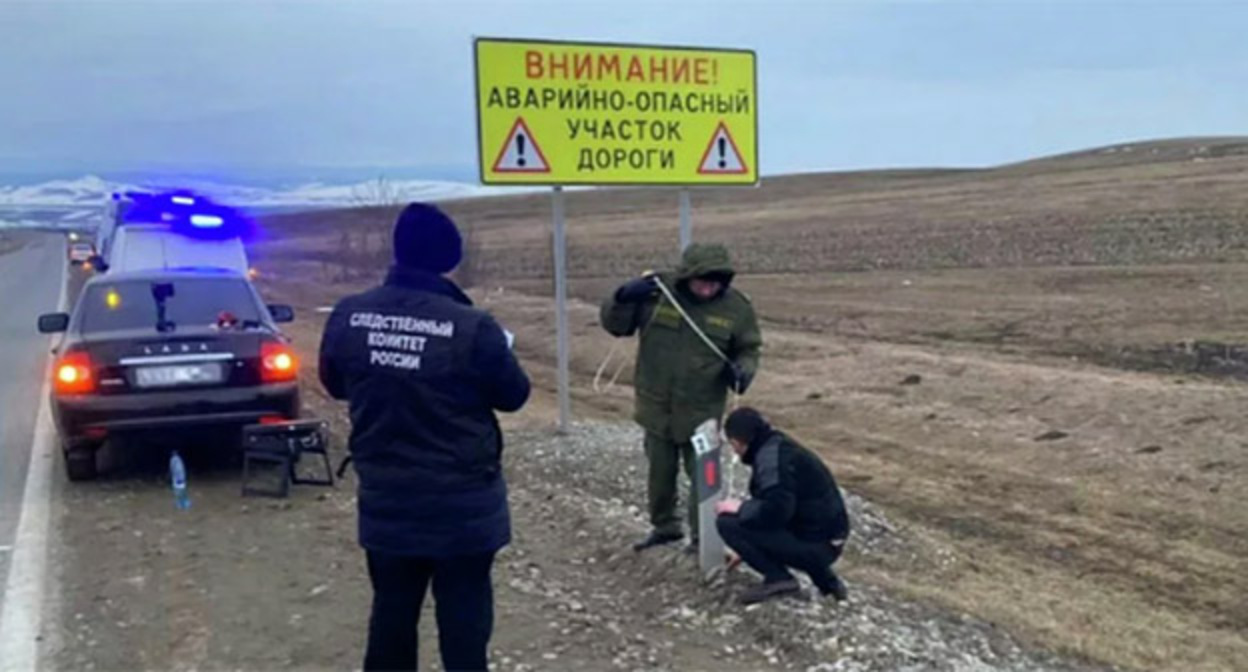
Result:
21,613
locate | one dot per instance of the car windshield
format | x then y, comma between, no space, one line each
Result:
187,302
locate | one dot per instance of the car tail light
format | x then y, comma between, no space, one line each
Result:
277,363
73,374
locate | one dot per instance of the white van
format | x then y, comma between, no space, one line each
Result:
138,247
166,231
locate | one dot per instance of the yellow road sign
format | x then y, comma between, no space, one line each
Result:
565,113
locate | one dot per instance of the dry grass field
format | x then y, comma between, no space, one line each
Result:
1076,326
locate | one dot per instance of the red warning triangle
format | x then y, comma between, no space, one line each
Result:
722,156
520,153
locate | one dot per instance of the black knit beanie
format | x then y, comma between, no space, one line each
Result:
426,239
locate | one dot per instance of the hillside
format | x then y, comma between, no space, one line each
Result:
1077,324
1088,208
1144,152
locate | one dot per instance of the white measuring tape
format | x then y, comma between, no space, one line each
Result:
599,388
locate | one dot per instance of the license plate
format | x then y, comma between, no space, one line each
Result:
183,374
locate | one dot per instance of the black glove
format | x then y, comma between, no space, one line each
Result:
738,378
636,290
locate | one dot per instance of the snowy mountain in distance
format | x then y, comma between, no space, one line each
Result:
92,190
84,191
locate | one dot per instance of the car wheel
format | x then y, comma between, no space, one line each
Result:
80,464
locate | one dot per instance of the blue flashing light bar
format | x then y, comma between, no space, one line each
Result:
207,221
190,214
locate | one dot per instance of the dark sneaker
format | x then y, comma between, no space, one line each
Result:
837,590
657,538
770,590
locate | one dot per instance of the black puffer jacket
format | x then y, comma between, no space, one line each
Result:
791,488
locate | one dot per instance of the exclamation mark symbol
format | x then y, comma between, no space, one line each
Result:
723,152
520,148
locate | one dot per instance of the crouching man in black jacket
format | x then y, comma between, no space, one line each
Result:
795,517
424,373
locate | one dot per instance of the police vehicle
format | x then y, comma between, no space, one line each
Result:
170,230
169,342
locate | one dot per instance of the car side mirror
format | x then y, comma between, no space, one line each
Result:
281,313
53,323
97,262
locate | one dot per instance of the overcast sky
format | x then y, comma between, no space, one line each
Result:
125,85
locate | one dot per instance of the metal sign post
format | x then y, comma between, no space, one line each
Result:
561,309
686,220
710,485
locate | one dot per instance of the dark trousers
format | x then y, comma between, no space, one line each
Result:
773,552
665,459
465,609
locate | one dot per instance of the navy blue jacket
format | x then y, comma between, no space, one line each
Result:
424,372
792,489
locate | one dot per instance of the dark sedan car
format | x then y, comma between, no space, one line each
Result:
167,352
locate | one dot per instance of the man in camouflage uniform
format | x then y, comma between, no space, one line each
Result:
680,382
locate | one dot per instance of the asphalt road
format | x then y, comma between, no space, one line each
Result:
30,284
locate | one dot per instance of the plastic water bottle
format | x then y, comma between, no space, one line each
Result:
177,477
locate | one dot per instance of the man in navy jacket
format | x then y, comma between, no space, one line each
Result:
424,372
